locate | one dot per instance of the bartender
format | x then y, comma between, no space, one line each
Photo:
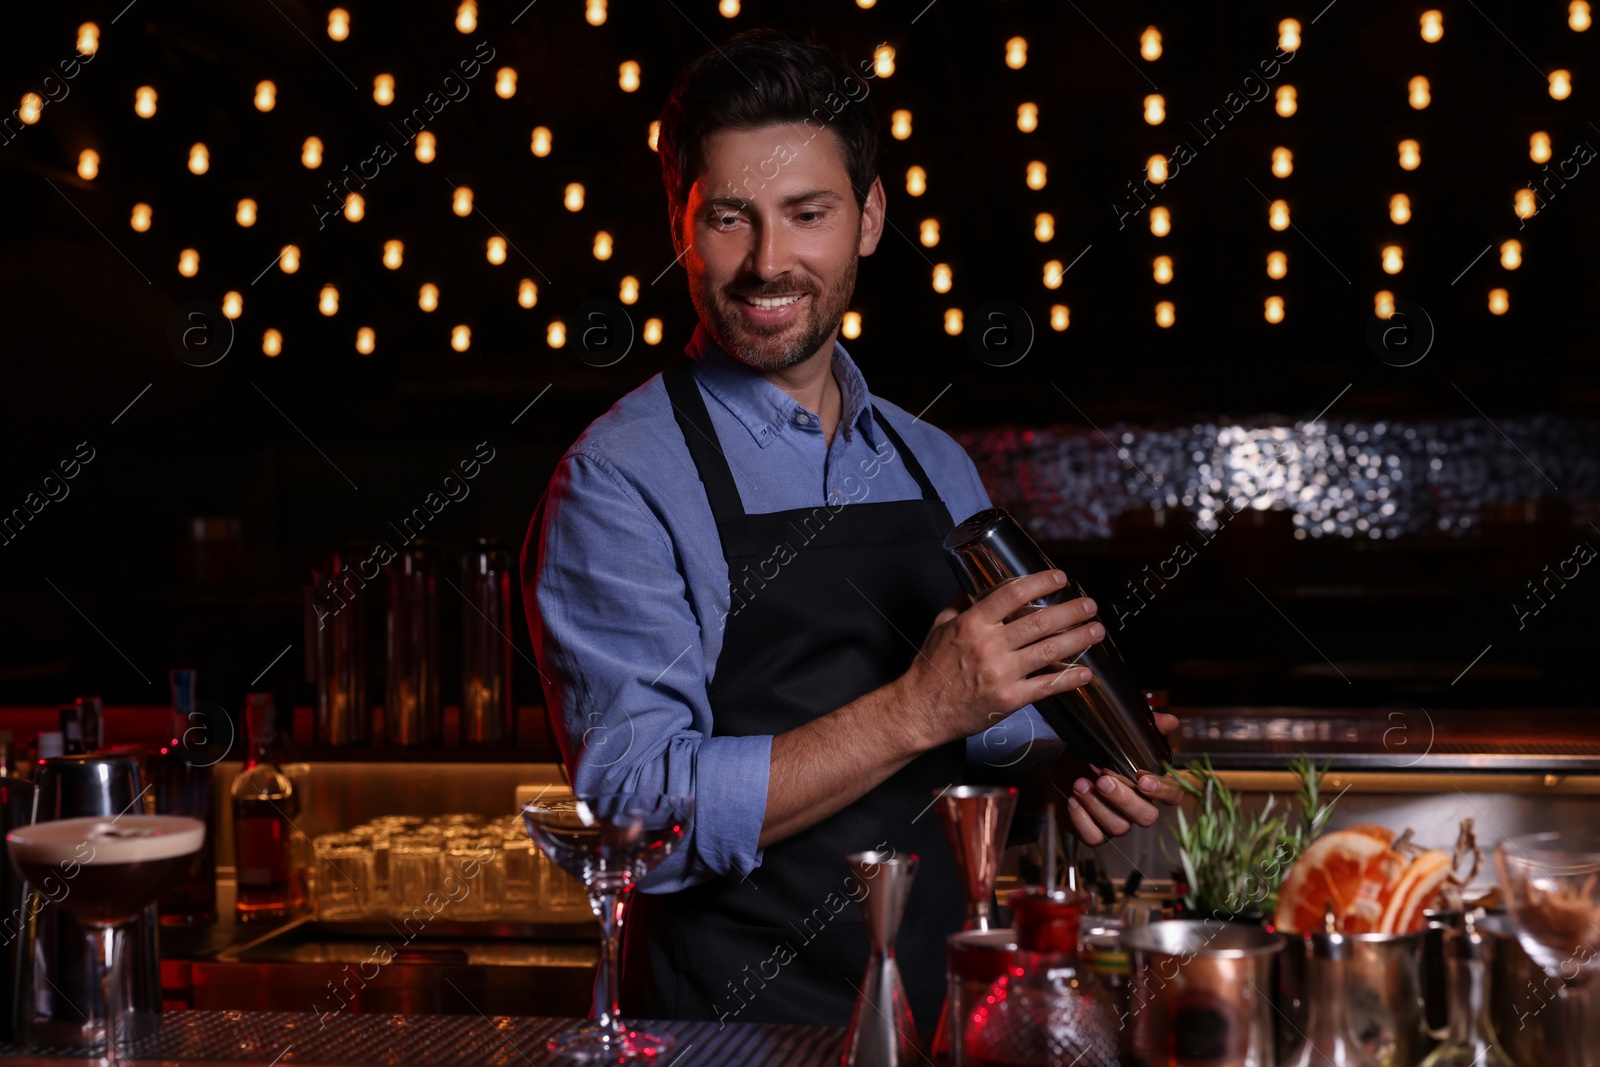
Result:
736,587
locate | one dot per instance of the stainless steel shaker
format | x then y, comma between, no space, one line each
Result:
1107,721
487,716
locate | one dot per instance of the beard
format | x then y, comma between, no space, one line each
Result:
783,345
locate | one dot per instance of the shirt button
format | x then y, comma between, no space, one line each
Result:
802,419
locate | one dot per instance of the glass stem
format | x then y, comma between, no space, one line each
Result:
609,906
1574,997
103,951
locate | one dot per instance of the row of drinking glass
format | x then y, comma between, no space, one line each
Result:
460,867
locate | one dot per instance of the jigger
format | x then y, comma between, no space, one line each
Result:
976,820
882,1032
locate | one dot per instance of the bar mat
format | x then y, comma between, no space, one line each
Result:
456,1040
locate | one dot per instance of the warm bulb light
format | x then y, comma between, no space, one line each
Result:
232,305
1053,273
189,262
850,325
1560,84
1060,317
1288,101
1278,215
1525,204
1150,44
1017,53
1166,314
1155,109
141,218
1273,312
1383,304
883,61
952,322
1399,209
427,147
1392,261
266,96
540,144
929,233
628,76
602,245
652,331
289,259
30,110
573,197
383,89
394,254
1282,162
595,12
1578,15
1160,221
1539,147
366,340
1277,265
144,101
245,213
916,181
311,152
428,297
628,290
1499,301
1037,175
496,250
338,24
272,342
88,164
505,83
1432,28
199,159
1044,227
1511,254
1417,92
900,124
328,300
461,201
355,207
1027,117
653,138
1161,270
1155,168
527,293
88,39
1288,35
1410,155
461,338
467,16
728,9
943,278
556,334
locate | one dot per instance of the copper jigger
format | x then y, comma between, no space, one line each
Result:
882,1032
976,820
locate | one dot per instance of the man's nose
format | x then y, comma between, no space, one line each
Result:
774,250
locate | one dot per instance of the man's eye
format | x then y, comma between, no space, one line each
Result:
808,216
718,220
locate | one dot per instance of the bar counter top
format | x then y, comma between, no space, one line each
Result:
264,1039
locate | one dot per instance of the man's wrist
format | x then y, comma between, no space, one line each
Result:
904,717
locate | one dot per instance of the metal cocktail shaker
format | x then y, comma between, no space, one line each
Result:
1107,721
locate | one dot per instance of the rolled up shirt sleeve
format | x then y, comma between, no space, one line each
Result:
620,650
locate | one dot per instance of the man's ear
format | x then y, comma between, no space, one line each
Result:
872,218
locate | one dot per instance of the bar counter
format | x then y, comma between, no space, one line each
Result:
266,1038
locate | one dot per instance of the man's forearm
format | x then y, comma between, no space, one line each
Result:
833,760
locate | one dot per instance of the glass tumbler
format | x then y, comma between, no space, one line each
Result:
475,876
343,876
416,875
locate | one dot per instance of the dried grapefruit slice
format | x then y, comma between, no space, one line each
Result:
1417,889
1353,869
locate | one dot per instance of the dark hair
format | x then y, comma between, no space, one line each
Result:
757,78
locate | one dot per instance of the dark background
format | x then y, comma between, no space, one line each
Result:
105,590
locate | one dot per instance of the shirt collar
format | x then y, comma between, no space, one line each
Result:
766,410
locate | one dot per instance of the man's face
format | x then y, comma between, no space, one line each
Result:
773,217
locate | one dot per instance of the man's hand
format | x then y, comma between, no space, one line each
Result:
975,667
1110,805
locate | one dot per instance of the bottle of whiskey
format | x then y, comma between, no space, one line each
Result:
180,773
264,807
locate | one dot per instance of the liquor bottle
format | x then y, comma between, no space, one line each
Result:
264,807
71,731
91,713
1471,1039
1328,1040
180,773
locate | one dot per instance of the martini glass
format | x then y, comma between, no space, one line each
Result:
107,871
1551,884
609,841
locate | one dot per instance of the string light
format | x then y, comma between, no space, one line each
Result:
1160,221
366,340
1511,254
245,213
383,89
394,253
916,181
461,338
1525,204
952,322
527,293
1539,147
1155,109
144,101
1419,97
428,297
900,124
496,250
1277,265
338,24
1288,101
232,305
628,76
1278,215
88,39
1044,226
1560,84
1400,209
653,138
32,107
556,335
1027,117
1499,301
930,233
943,278
199,159
1282,162
1166,314
883,61
865,5
467,16
1060,317
1161,269
1383,304
427,147
728,9
573,197
628,290
141,218
1037,175
595,12
461,201
1017,53
1274,310
1410,154
652,331
1432,28
850,325
328,300
1155,168
355,207
1150,44
602,245
1392,261
88,164
272,343
1053,273
266,96
1578,16
311,152
505,83
1288,35
540,145
189,262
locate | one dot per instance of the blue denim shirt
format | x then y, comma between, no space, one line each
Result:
627,591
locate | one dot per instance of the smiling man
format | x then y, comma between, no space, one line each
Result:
730,571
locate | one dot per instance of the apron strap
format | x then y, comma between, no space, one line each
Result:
915,468
689,408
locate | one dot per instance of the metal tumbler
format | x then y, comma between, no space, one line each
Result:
336,644
486,709
1107,721
411,714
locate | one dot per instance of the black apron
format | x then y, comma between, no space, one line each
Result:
787,944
